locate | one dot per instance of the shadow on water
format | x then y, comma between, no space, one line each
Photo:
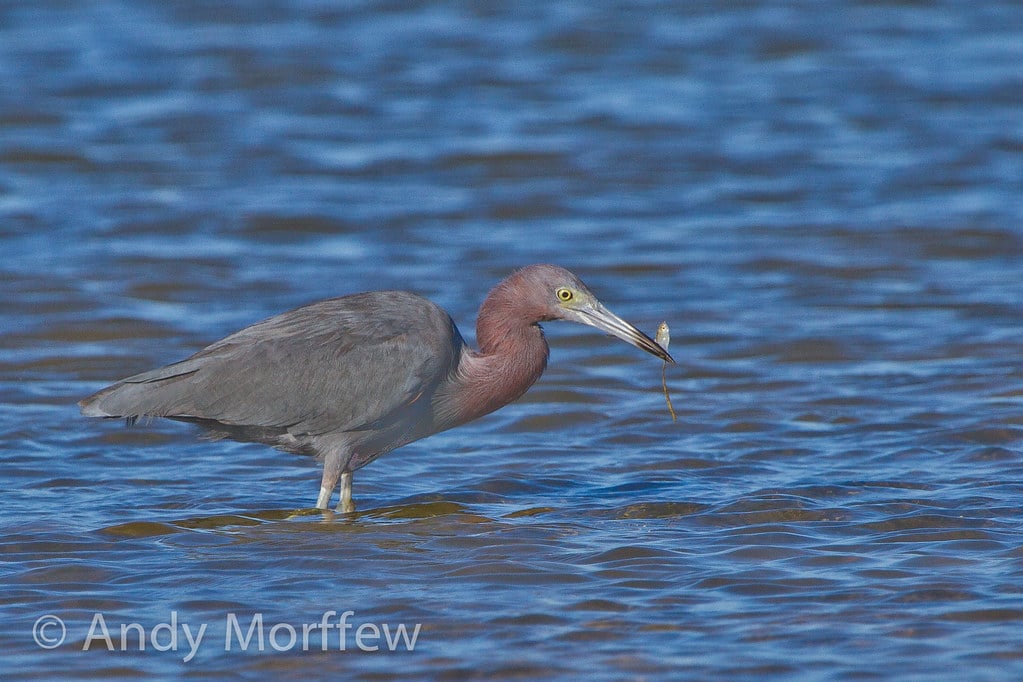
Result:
326,519
440,514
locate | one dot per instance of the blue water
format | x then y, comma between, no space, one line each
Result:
823,201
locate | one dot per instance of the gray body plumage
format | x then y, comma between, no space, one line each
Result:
340,378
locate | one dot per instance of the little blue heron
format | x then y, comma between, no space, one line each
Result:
349,379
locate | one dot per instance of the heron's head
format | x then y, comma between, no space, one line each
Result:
557,294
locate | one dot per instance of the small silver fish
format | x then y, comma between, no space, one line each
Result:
663,338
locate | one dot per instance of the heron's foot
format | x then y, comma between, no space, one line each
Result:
346,504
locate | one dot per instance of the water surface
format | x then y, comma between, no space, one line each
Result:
824,204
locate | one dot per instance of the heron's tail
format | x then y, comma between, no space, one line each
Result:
114,401
157,393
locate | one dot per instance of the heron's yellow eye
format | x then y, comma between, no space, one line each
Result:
564,295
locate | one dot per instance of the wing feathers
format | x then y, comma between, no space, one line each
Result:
343,364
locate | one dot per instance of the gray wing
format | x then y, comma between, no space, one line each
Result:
338,365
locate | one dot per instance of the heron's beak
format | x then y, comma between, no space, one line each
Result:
596,315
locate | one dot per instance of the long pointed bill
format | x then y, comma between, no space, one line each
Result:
600,317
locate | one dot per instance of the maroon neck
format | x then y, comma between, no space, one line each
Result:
512,356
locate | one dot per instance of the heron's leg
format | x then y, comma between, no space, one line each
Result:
345,504
331,472
324,498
